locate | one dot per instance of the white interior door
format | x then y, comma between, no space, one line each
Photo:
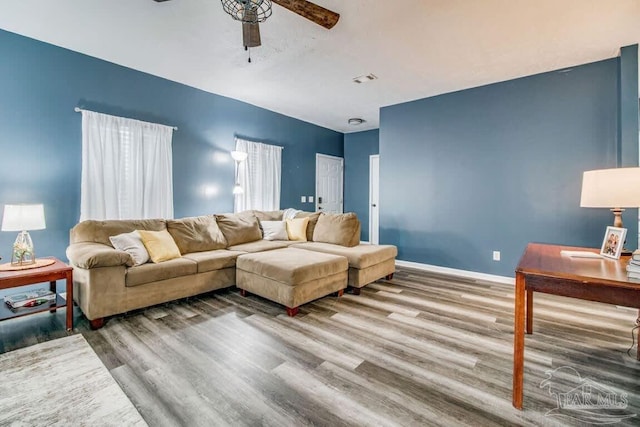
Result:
374,199
329,183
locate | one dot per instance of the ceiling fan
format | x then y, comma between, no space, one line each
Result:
252,12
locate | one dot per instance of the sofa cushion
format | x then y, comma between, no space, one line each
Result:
313,220
274,230
214,260
339,229
360,257
94,255
160,245
196,234
147,273
258,246
297,229
292,266
241,228
131,244
100,231
268,215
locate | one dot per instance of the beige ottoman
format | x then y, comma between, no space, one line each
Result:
291,277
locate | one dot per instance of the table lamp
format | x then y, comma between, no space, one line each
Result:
615,189
22,218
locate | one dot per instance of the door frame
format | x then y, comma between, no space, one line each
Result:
371,159
341,159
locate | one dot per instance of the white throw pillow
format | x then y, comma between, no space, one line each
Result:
131,244
274,230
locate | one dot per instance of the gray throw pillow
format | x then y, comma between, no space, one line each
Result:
274,230
131,244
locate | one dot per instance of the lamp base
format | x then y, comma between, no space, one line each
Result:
617,217
23,253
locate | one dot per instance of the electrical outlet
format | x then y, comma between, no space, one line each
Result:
303,199
310,199
496,255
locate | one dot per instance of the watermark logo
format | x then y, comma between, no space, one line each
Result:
583,399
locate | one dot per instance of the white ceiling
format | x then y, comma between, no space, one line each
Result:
416,48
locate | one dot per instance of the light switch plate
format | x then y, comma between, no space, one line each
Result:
303,199
310,199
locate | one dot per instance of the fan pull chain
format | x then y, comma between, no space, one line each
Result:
248,53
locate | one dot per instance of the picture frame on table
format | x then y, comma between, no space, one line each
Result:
613,242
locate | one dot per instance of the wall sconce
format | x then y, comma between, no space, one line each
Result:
238,157
237,189
22,218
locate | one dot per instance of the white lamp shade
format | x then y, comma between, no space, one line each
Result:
23,217
239,156
611,188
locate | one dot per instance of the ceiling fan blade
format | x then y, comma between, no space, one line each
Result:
311,11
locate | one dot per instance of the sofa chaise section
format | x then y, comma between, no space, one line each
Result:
367,263
339,234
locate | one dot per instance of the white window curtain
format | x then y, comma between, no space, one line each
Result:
259,176
126,168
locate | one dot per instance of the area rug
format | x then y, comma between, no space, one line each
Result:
61,382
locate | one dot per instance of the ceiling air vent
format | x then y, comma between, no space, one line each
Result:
364,79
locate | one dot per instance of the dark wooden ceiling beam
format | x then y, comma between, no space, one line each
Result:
311,11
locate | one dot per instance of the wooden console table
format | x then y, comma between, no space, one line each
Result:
543,268
50,273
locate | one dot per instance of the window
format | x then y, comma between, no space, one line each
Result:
259,176
126,168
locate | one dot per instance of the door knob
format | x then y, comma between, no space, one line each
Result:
374,205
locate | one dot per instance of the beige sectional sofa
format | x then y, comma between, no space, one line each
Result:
107,281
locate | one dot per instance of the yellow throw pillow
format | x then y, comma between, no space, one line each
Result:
297,229
160,245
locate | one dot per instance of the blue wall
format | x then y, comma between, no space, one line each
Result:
628,116
358,147
40,85
498,166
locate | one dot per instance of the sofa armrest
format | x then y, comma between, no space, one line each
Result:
92,255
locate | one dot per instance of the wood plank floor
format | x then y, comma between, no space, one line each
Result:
422,349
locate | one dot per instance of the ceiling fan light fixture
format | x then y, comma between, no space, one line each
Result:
249,11
356,121
251,35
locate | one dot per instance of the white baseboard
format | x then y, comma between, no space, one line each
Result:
456,272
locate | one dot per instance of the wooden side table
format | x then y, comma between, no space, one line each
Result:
50,273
